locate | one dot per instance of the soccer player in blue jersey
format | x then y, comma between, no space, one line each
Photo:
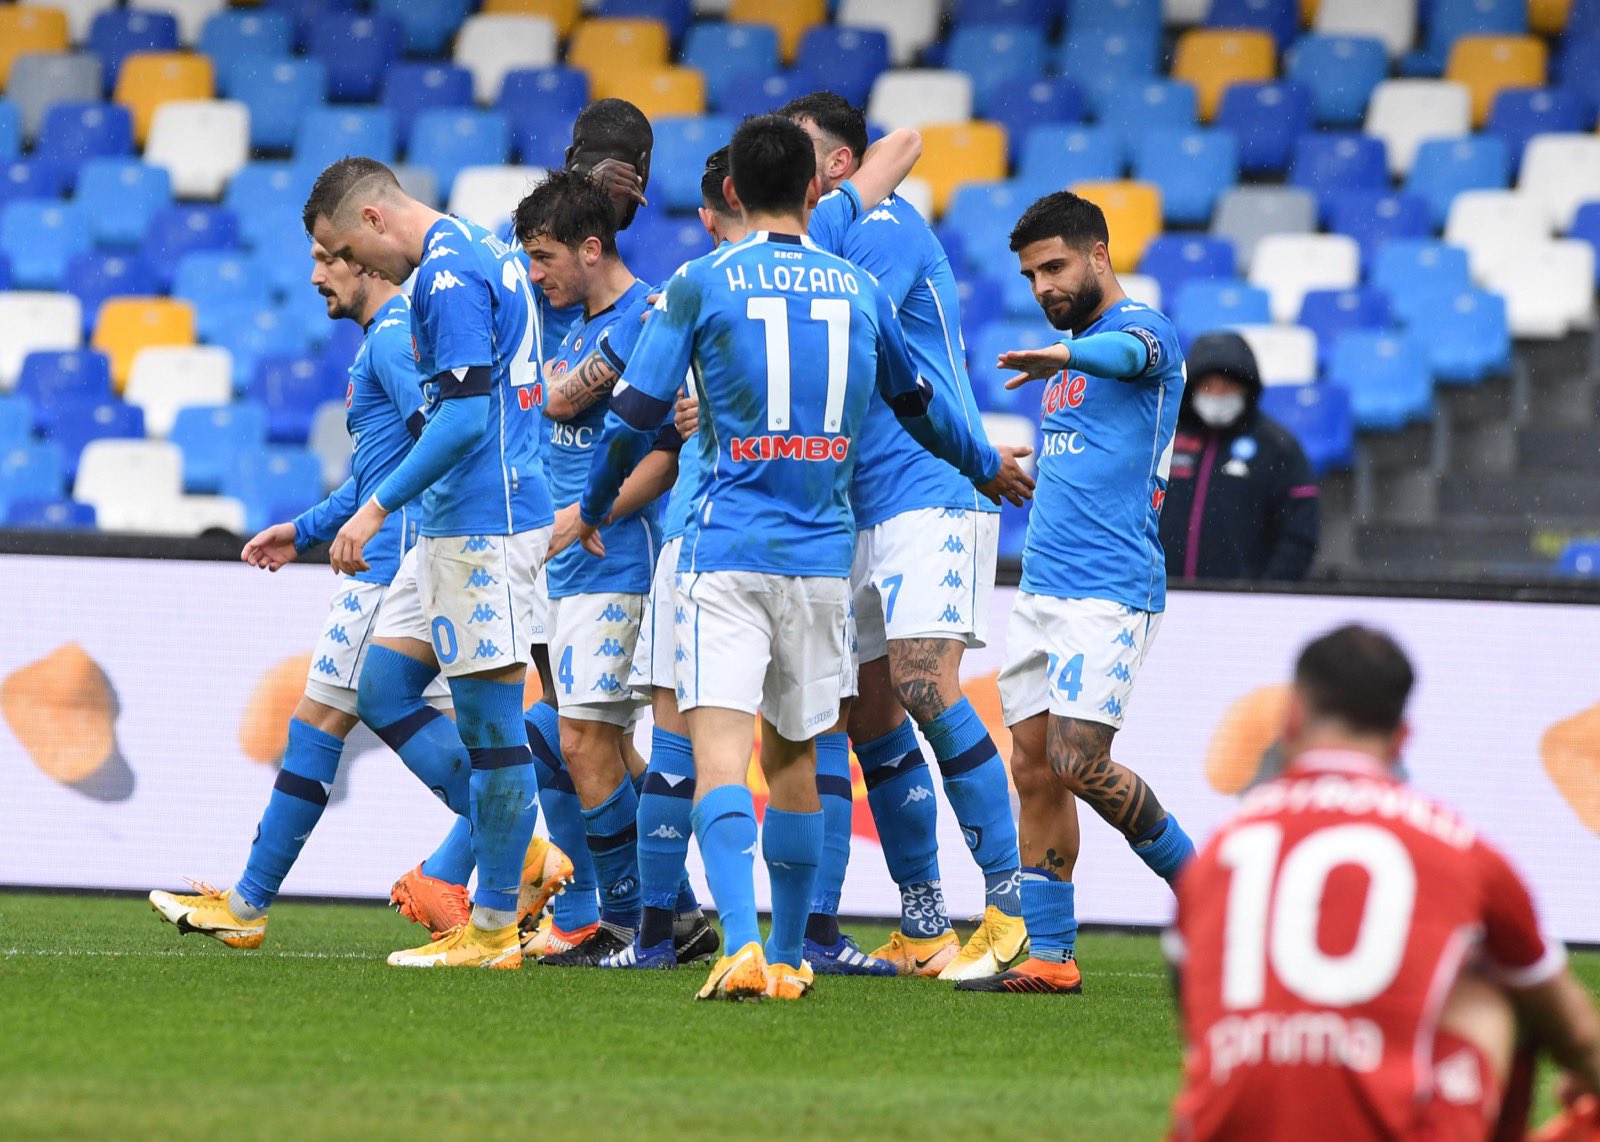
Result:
485,527
787,344
922,583
383,409
1094,578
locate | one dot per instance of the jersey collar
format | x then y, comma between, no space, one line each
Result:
396,303
1331,760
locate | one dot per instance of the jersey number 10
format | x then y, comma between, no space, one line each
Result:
773,313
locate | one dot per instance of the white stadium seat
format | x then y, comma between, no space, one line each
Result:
1247,214
1548,287
1141,288
1561,172
191,515
128,480
1184,12
913,97
330,442
202,143
911,25
1492,225
419,182
489,45
192,15
488,195
1287,265
1392,21
34,320
166,378
1404,112
918,193
1017,431
1285,354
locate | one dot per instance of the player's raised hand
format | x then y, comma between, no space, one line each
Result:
346,552
271,548
1034,364
589,536
686,415
1011,483
619,180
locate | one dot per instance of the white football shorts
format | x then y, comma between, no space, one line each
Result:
335,673
767,644
592,642
1077,658
654,657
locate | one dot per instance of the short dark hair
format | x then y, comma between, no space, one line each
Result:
1356,675
834,116
568,207
612,128
1075,220
711,182
773,163
337,182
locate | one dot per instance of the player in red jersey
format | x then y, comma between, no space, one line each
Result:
1354,961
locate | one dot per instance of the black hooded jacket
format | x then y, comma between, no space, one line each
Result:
1242,502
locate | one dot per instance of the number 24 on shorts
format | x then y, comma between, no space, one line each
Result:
1070,679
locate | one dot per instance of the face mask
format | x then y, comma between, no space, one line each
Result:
1218,411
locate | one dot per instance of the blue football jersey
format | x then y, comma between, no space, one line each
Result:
1095,527
383,412
895,474
631,542
787,344
471,306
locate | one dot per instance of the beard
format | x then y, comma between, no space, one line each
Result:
1080,309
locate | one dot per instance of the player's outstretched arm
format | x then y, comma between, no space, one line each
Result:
282,543
886,165
1113,354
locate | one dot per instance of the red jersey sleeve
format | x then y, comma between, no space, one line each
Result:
1517,952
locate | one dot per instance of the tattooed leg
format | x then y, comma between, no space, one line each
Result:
1079,753
1048,823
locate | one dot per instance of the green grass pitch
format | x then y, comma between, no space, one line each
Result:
114,1026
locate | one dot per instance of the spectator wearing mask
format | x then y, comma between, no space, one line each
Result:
1241,502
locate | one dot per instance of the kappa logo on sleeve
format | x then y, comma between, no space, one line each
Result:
443,281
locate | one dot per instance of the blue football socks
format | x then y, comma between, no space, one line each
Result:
904,807
299,795
837,797
577,907
452,860
725,824
975,782
430,744
613,834
665,807
1047,910
792,846
504,800
1165,848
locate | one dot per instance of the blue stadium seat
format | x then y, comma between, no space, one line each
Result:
675,14
988,380
1586,225
219,281
1040,14
540,90
1266,118
1373,217
32,178
1467,335
1326,164
1444,168
541,138
75,132
841,59
996,56
16,421
266,196
980,217
250,333
1203,305
1577,68
212,436
1583,19
749,93
50,377
304,13
182,229
270,481
1330,312
94,277
428,27
1405,268
279,93
356,49
680,156
40,236
118,32
1192,166
73,424
1014,530
51,515
10,130
447,139
5,272
327,134
1387,377
1319,417
290,386
1100,60
1021,107
410,88
1113,16
1057,154
1449,20
1173,259
980,300
231,35
722,51
1519,113
1132,106
1016,295
1339,73
119,197
34,471
656,244
1580,558
1281,18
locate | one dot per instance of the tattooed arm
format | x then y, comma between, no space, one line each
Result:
580,390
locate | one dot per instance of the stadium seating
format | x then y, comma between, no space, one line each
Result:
1392,22
491,44
487,195
1215,58
96,277
34,321
31,472
1329,312
446,139
150,79
119,197
1287,265
117,33
355,49
1561,172
166,379
1387,378
1133,214
125,479
212,436
1265,119
1405,112
410,88
202,144
1319,417
1190,167
40,80
273,483
722,51
1443,168
791,19
51,377
427,27
50,515
73,425
126,325
1520,113
912,98
290,387
75,132
1203,304
911,25
28,28
1579,558
277,94
39,237
1285,354
841,59
1488,65
1340,72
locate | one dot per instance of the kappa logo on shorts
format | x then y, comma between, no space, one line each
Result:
1125,638
1111,706
682,692
325,666
336,635
952,513
951,615
484,613
610,648
607,684
680,616
351,602
680,655
952,579
1120,672
481,578
486,648
476,544
953,544
612,614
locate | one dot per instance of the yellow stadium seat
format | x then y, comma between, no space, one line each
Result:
564,14
791,18
658,91
1308,11
1133,217
149,79
128,324
1488,65
1214,59
1549,17
26,28
954,154
610,47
